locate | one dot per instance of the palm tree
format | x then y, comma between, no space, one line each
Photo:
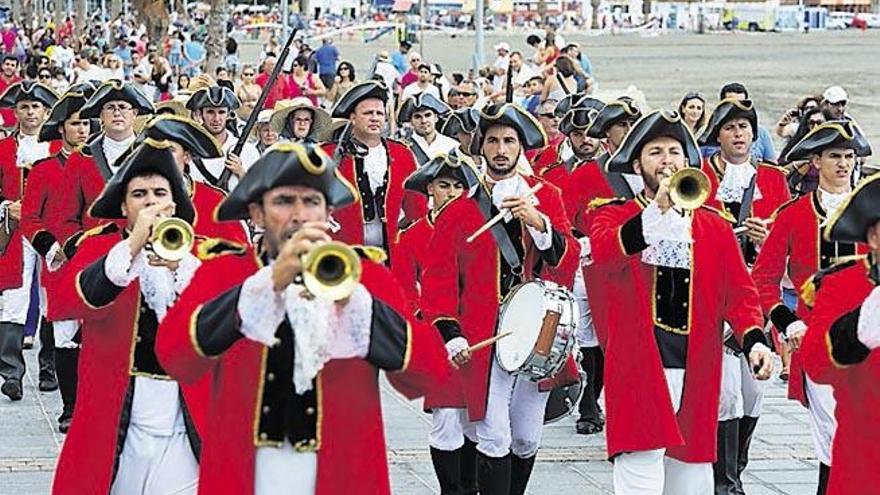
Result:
216,42
154,14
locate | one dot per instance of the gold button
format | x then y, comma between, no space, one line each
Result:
138,339
658,297
684,305
310,411
659,273
266,409
313,442
660,320
270,377
143,309
264,436
687,280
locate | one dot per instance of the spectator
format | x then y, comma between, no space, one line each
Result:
693,110
248,92
789,122
412,75
8,76
502,61
161,78
279,90
327,57
345,79
386,71
305,83
535,88
113,67
182,84
423,85
231,61
400,58
221,74
834,101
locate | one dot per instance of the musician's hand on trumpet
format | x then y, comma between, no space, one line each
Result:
146,220
522,208
662,197
458,352
288,264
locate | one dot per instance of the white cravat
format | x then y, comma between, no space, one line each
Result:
736,180
113,149
375,166
831,202
30,150
668,235
517,186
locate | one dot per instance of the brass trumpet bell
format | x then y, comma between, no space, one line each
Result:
172,238
331,271
689,188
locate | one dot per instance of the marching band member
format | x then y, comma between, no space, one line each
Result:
795,243
39,215
135,428
662,400
750,193
29,101
612,124
423,112
843,332
463,283
294,389
212,107
556,164
377,167
461,125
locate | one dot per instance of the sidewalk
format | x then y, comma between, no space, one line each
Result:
782,461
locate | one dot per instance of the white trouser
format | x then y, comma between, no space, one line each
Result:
14,302
64,332
650,472
160,465
280,471
514,416
821,405
741,394
585,332
449,426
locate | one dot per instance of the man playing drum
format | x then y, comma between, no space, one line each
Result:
462,284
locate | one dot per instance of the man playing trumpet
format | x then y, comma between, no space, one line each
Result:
674,276
294,389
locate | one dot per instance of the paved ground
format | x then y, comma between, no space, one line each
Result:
782,463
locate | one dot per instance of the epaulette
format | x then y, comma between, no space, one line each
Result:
721,213
600,202
107,228
214,247
811,286
372,253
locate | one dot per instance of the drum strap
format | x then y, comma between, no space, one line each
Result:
505,245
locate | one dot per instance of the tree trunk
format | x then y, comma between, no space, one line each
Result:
27,13
304,10
154,14
59,9
595,15
216,42
80,24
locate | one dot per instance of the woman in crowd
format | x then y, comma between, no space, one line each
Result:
248,91
693,109
345,79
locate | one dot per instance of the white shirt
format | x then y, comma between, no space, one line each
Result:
389,74
375,166
113,149
736,180
215,166
498,81
442,144
414,89
517,186
30,150
831,202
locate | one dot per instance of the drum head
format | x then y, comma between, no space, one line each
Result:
522,314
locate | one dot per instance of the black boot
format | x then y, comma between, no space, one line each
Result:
520,472
11,359
46,357
468,460
724,468
493,474
747,426
66,362
824,472
447,467
591,419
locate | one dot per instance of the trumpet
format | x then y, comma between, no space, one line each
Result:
172,238
331,271
689,188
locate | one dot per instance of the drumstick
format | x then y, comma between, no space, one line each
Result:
743,228
488,342
497,218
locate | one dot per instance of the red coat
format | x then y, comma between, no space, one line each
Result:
461,283
410,259
85,181
856,448
533,155
771,183
12,188
639,411
401,163
795,243
206,199
349,426
105,372
7,115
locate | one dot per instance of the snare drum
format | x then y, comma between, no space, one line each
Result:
542,317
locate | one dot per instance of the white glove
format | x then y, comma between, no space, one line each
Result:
795,329
869,320
455,346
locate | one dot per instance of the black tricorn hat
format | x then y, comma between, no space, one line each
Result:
581,116
861,210
358,93
28,91
623,108
116,90
421,101
69,104
213,96
567,103
183,131
288,164
87,88
149,155
831,134
728,109
659,123
464,120
443,165
531,134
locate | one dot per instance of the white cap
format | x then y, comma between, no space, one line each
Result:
264,116
502,46
835,94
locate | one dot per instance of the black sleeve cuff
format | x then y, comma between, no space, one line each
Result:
782,317
95,288
846,348
448,328
553,255
631,237
389,338
752,337
42,242
70,245
217,324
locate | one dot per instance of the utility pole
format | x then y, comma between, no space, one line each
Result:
478,25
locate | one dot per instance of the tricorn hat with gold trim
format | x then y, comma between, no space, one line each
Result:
581,116
28,91
213,97
623,108
116,90
69,104
729,109
288,164
183,131
531,134
861,210
443,165
464,120
356,94
658,123
421,101
149,156
833,134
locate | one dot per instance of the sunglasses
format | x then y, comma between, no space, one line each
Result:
465,93
45,76
547,115
248,74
